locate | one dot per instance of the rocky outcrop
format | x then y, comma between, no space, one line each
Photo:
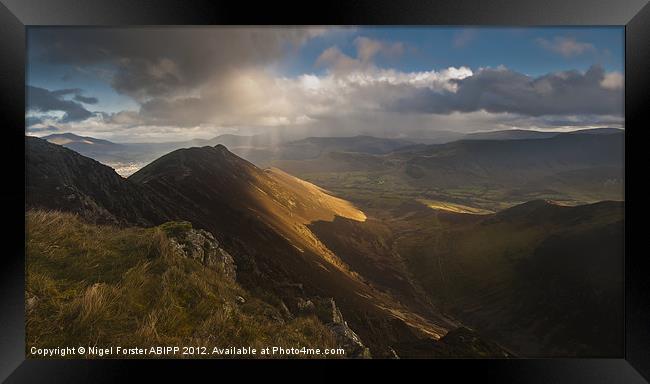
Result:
305,306
346,338
31,301
200,245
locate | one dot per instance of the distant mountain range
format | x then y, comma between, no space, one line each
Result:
573,167
264,149
521,134
513,134
509,161
70,139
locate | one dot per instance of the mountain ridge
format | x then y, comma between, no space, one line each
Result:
267,149
59,178
251,214
279,213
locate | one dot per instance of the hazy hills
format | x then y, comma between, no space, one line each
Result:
267,148
314,147
520,134
512,134
508,161
79,142
126,158
493,174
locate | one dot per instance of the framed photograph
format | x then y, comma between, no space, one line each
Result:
225,185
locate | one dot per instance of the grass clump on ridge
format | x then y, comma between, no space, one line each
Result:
108,286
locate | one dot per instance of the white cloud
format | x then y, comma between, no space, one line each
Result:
366,50
464,37
613,81
566,46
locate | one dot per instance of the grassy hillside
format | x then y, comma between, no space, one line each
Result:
107,286
541,279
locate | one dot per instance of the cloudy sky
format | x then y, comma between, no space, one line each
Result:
168,84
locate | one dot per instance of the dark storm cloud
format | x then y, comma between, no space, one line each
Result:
78,95
65,92
155,62
43,100
503,90
85,99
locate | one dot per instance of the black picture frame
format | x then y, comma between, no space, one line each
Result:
16,15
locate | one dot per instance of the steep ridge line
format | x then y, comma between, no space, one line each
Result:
259,216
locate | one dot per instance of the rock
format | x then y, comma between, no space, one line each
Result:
285,311
31,301
305,306
337,317
346,338
227,310
274,316
200,245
